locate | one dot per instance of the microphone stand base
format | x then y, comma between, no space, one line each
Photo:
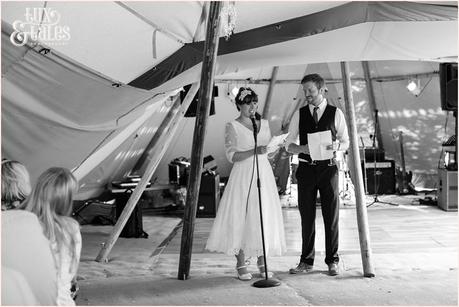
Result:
266,283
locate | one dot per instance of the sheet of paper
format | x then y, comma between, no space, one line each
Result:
317,143
276,142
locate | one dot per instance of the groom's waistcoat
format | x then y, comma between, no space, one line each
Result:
308,125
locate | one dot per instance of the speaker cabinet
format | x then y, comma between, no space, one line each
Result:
178,173
134,225
380,179
447,190
209,195
448,86
193,108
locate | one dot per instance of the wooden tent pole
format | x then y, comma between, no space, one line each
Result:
362,218
156,155
205,95
372,100
269,95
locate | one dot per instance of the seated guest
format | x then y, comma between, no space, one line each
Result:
27,251
15,184
16,289
51,200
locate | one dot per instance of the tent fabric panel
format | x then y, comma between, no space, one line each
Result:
408,40
181,18
107,44
276,11
123,158
422,122
39,145
316,24
15,10
10,56
74,97
406,11
366,41
55,113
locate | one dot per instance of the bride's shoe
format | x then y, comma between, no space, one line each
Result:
261,268
243,274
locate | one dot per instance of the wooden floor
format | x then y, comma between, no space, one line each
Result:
392,230
413,253
400,236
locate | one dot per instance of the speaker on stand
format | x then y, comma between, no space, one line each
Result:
448,86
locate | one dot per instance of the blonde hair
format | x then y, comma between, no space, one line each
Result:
15,183
52,201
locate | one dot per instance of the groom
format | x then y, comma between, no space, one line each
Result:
319,175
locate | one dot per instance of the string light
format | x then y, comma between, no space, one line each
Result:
228,18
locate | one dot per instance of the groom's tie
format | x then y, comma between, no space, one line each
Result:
315,116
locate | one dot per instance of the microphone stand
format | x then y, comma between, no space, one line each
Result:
267,282
364,167
376,173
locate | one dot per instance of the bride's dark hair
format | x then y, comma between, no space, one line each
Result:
246,96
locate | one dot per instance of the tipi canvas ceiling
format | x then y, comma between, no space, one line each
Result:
95,100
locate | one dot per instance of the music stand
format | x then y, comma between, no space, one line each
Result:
375,179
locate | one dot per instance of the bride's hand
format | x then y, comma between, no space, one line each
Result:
261,150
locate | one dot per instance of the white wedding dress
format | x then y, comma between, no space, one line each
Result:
237,224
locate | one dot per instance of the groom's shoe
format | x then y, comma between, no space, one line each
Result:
302,267
333,269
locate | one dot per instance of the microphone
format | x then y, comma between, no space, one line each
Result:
254,124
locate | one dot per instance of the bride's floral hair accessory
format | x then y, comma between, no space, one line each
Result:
244,93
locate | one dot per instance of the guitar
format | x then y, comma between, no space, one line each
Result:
404,185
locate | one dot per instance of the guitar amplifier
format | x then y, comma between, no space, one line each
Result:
372,154
380,178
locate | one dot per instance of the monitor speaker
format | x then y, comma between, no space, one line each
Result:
209,195
448,86
192,109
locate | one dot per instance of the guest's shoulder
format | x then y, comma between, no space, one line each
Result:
21,221
17,215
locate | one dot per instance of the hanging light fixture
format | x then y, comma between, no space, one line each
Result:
414,87
411,86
